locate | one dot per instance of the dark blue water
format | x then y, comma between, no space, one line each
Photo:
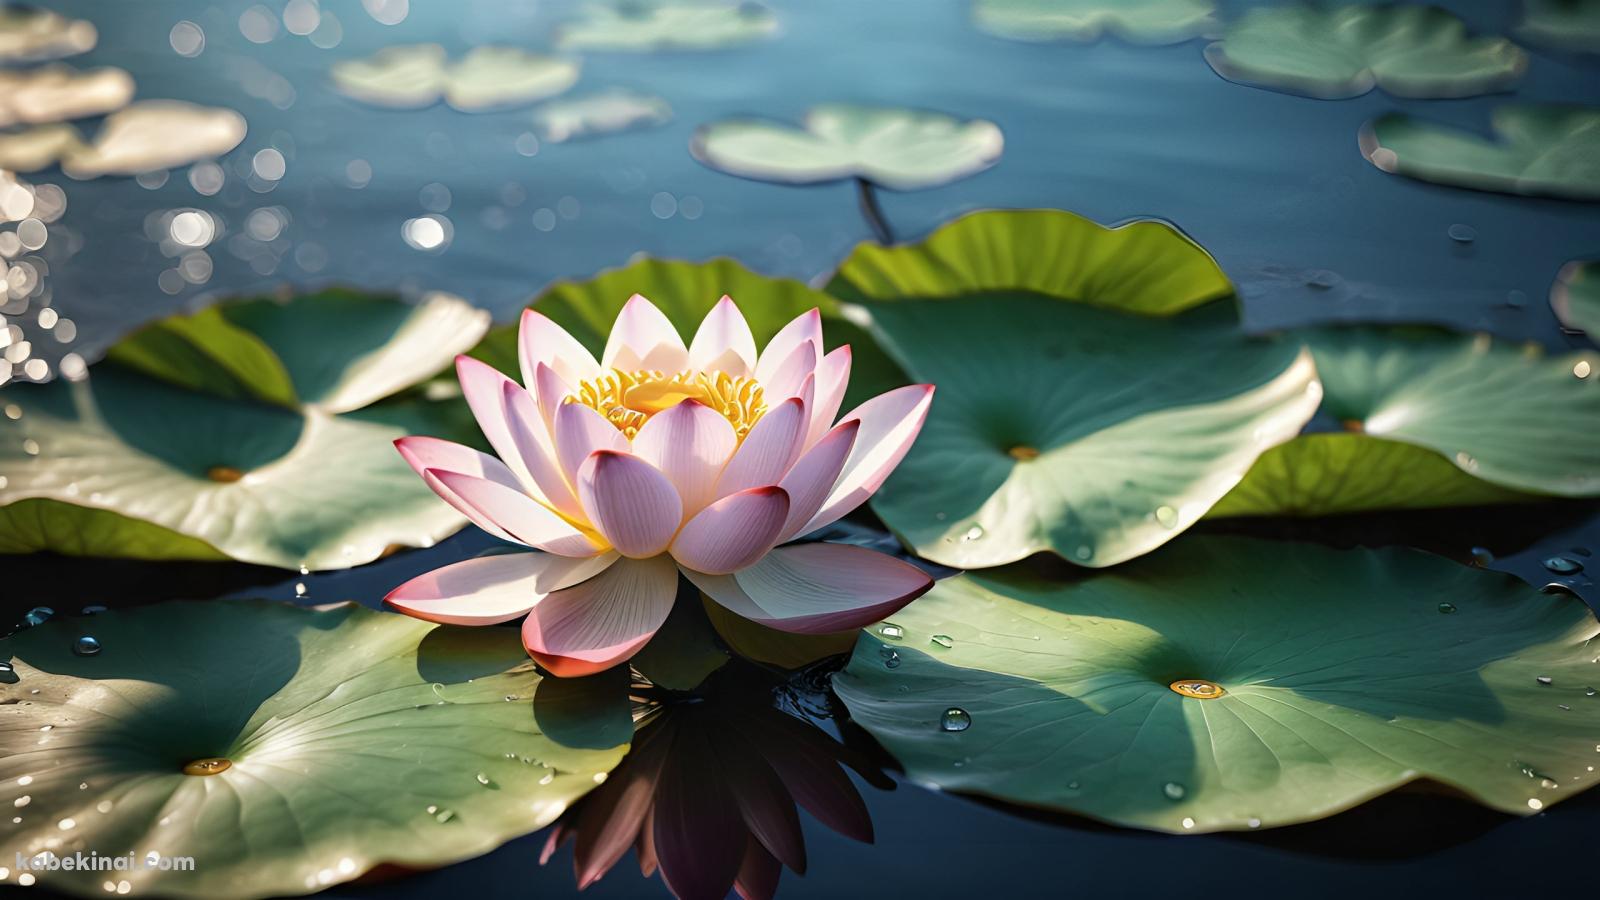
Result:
1273,185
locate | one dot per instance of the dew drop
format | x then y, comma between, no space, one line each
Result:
86,646
91,610
892,631
1561,565
1084,551
1167,516
1544,679
1482,558
36,616
973,533
943,640
22,801
511,698
1188,823
1589,692
1535,803
1447,607
1462,234
892,660
1253,822
1173,790
483,779
955,719
547,777
441,814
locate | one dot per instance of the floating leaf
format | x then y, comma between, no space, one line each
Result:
1134,21
1227,684
1145,267
606,112
1346,51
30,34
668,26
899,149
39,147
1561,24
1436,419
1541,150
57,93
247,430
1576,297
338,739
416,75
1063,421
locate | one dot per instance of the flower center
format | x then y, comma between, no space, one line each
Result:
629,399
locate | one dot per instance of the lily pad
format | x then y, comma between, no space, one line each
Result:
606,112
39,147
339,739
1540,150
899,149
32,34
145,137
1339,52
1068,418
1576,297
1561,24
487,78
57,93
1134,21
1421,402
248,431
653,28
1228,684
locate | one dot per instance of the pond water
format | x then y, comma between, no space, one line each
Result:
1273,185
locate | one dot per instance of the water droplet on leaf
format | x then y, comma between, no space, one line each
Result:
955,719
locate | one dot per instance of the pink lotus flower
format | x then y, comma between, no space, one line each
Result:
660,459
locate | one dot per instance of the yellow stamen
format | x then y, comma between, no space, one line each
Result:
629,399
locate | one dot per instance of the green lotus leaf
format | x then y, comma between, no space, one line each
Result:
412,76
1312,680
1095,393
606,112
247,431
56,93
1561,24
1338,52
1093,434
1134,21
32,34
147,136
1144,267
1541,150
353,738
667,27
899,149
685,292
1327,474
1576,297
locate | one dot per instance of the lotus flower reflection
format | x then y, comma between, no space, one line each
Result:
659,459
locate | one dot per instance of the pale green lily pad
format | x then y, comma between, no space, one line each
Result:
1338,52
1092,434
1346,674
1095,395
1434,419
247,431
32,34
899,149
355,738
147,136
487,78
56,93
1540,150
1134,21
606,112
1576,297
668,26
1561,24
